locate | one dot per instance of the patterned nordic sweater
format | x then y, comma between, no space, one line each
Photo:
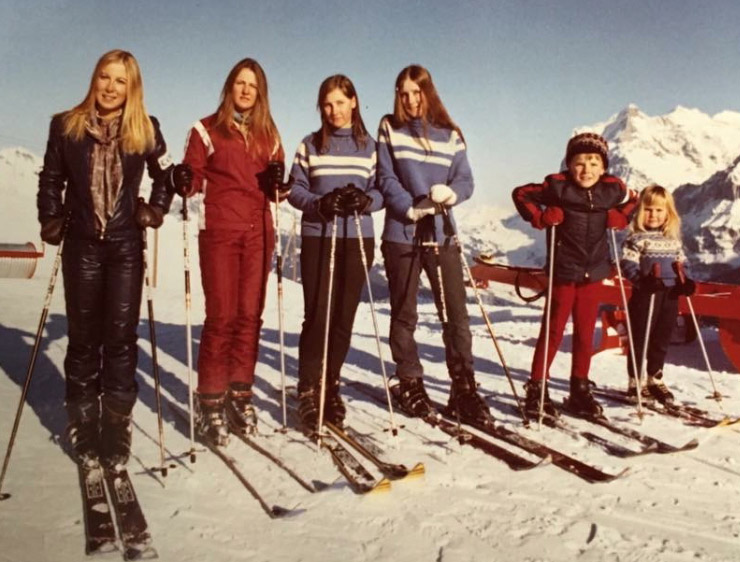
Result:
640,250
409,165
316,174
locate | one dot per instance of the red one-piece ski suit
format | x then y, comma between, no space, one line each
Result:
236,241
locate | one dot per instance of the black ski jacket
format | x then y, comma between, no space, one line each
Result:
581,244
67,167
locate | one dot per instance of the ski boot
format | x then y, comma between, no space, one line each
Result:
466,403
412,398
658,390
308,410
632,390
581,402
533,389
210,418
83,429
334,408
115,432
240,412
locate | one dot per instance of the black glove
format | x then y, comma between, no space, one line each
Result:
331,204
685,288
652,284
355,200
182,180
52,230
148,216
274,178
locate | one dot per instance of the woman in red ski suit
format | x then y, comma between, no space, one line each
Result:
229,153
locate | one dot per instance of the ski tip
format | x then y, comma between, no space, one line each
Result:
417,471
279,511
383,485
320,486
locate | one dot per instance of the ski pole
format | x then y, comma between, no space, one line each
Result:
630,338
489,325
716,395
155,369
279,273
188,324
648,322
365,265
32,361
322,399
548,310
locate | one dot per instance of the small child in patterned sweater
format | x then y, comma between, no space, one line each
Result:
651,258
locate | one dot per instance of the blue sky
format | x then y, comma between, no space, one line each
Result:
517,76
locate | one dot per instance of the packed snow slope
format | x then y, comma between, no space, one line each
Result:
468,507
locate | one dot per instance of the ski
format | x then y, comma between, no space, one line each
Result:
274,511
612,448
132,526
100,534
581,469
359,478
363,445
692,416
314,487
660,446
465,437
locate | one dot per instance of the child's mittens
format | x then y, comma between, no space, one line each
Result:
685,287
551,216
443,194
652,284
616,220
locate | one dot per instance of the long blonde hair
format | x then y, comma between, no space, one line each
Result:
262,136
651,195
137,131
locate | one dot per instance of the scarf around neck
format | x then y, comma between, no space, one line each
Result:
106,172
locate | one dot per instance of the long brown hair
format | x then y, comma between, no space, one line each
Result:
262,136
137,131
433,110
359,132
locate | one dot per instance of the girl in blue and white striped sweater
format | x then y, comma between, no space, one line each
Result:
423,171
650,257
333,177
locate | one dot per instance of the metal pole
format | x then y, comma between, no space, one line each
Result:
31,364
548,309
365,265
322,400
188,323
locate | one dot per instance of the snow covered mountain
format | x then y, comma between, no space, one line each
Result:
684,146
711,224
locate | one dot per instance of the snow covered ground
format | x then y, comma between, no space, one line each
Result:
468,507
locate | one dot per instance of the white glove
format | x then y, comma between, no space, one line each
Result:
422,209
443,194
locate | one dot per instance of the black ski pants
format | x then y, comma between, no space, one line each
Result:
349,278
403,266
662,322
102,290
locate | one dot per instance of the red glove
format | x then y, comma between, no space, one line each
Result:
551,216
616,220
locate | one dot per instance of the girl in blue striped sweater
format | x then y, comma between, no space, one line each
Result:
333,177
423,171
650,257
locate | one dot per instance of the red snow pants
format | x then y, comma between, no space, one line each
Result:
234,266
580,299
